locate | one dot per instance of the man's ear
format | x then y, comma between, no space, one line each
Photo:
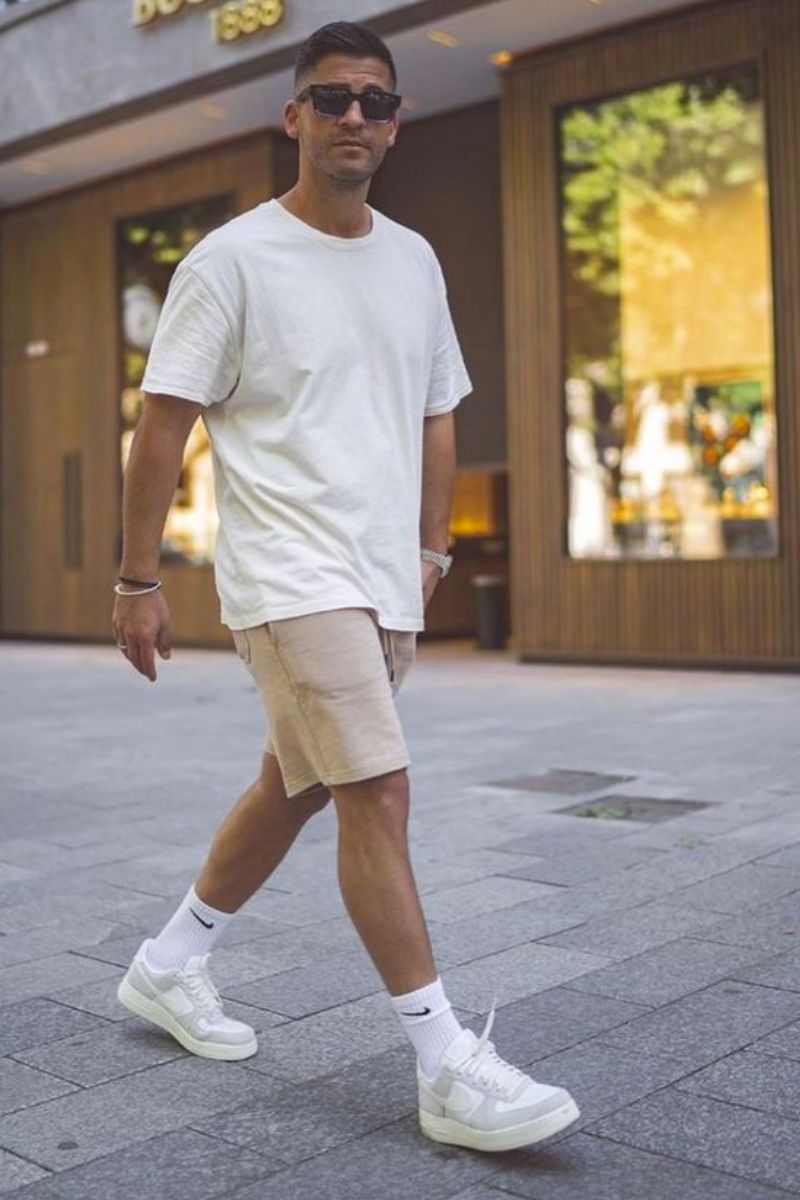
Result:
291,119
393,132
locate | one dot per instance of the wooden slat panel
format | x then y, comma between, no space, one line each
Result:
712,611
58,261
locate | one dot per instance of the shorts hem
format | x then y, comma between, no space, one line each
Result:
355,774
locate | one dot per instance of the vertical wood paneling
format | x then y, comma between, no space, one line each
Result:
58,262
734,610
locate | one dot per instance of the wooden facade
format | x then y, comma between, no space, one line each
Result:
734,612
61,473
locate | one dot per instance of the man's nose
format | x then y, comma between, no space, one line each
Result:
353,115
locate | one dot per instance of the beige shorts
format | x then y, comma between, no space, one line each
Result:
327,682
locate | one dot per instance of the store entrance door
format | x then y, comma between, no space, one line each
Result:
43,517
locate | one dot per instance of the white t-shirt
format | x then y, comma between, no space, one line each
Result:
317,359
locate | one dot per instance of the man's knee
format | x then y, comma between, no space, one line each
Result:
305,803
383,799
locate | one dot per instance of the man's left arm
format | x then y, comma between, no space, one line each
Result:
438,478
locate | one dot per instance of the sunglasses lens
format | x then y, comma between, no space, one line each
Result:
335,101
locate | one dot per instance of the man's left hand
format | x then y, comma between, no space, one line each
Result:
431,574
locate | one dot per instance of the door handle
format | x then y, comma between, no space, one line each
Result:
73,508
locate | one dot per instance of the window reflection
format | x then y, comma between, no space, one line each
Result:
670,419
148,250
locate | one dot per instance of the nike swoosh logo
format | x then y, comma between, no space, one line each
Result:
200,919
424,1013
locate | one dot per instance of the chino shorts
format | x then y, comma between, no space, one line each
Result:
327,681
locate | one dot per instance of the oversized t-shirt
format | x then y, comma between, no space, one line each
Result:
317,359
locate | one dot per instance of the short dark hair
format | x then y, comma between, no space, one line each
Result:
342,37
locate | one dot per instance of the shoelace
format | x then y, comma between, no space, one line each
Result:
202,990
487,1067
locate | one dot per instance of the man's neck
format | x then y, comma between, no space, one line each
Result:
341,213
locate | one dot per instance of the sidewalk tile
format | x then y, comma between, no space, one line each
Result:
21,1086
726,1137
411,1167
36,1022
513,974
668,972
184,1165
584,1167
707,1024
97,1121
760,1081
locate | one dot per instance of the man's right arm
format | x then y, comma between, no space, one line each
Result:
142,623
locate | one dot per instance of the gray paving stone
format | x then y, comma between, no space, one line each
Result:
21,1086
707,1024
302,1122
789,856
755,1080
584,1167
36,1022
302,945
306,990
603,1078
174,1166
98,1056
780,971
760,1147
486,933
314,1046
667,972
513,974
46,975
554,835
740,889
482,1191
773,926
622,935
583,867
554,1020
411,1166
784,1042
483,895
97,1121
16,1173
46,940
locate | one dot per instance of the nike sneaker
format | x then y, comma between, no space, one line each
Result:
479,1100
186,1004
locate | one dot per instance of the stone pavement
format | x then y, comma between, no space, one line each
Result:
645,956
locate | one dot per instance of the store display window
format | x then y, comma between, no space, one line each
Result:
670,423
149,247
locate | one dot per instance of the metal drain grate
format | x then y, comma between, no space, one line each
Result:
562,783
648,809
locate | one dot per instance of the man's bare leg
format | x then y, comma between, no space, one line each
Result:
254,838
377,881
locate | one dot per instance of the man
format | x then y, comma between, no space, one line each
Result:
313,335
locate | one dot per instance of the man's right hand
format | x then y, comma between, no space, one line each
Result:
141,626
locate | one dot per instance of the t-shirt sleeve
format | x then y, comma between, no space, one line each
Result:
449,382
196,352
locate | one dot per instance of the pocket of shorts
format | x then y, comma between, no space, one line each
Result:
242,643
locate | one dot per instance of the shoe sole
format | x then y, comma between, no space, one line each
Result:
455,1133
136,1003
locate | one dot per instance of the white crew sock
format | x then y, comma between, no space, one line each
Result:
429,1021
192,929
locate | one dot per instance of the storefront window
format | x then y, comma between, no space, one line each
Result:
670,408
148,250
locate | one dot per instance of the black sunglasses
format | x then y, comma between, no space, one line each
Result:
334,99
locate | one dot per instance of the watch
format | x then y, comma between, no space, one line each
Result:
442,561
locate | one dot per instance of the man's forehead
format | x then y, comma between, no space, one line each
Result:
341,68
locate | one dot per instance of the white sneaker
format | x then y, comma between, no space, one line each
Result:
186,1004
481,1101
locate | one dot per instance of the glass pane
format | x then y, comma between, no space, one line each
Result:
148,250
670,407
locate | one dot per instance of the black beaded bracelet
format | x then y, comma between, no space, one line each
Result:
138,582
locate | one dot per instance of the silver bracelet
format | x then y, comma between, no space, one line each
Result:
141,592
442,561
